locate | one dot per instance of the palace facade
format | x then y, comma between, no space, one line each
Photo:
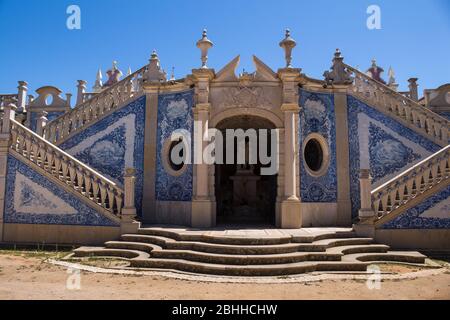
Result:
353,152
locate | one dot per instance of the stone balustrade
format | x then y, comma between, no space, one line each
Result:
79,177
94,108
409,184
401,107
89,95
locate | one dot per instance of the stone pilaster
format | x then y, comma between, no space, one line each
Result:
150,149
203,206
344,215
9,113
290,216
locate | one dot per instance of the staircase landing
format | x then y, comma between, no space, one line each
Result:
254,251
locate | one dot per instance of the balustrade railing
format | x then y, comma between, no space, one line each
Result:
411,183
89,95
79,177
381,96
94,108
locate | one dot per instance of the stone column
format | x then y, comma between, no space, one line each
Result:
128,223
291,204
41,123
81,89
203,207
22,96
413,89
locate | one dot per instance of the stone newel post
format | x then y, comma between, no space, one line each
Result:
413,89
366,213
128,223
9,112
80,92
41,123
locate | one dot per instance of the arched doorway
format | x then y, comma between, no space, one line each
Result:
243,194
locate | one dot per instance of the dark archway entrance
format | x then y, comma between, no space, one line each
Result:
243,195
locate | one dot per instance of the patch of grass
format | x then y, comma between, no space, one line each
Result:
34,253
101,262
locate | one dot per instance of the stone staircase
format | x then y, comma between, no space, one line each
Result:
230,255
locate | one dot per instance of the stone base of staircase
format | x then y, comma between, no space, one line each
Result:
249,252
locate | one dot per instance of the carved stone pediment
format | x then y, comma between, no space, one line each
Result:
228,73
244,97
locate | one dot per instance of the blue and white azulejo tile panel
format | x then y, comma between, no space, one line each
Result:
174,113
317,116
382,144
433,213
114,143
33,199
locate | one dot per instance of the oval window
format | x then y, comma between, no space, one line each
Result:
313,155
176,165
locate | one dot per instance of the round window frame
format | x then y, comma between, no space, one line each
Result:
166,160
323,143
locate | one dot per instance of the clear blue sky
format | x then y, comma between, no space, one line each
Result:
38,48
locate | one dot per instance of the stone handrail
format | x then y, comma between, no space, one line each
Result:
79,177
94,108
411,183
427,122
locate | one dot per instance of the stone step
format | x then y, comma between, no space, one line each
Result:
358,249
216,237
323,236
138,246
397,256
209,238
247,270
107,252
168,243
317,246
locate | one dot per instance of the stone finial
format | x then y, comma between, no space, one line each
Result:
129,71
204,44
375,72
113,74
339,73
154,72
98,81
172,75
288,43
391,82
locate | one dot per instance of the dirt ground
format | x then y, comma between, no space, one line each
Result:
29,277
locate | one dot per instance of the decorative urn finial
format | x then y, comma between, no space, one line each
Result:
288,43
204,44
